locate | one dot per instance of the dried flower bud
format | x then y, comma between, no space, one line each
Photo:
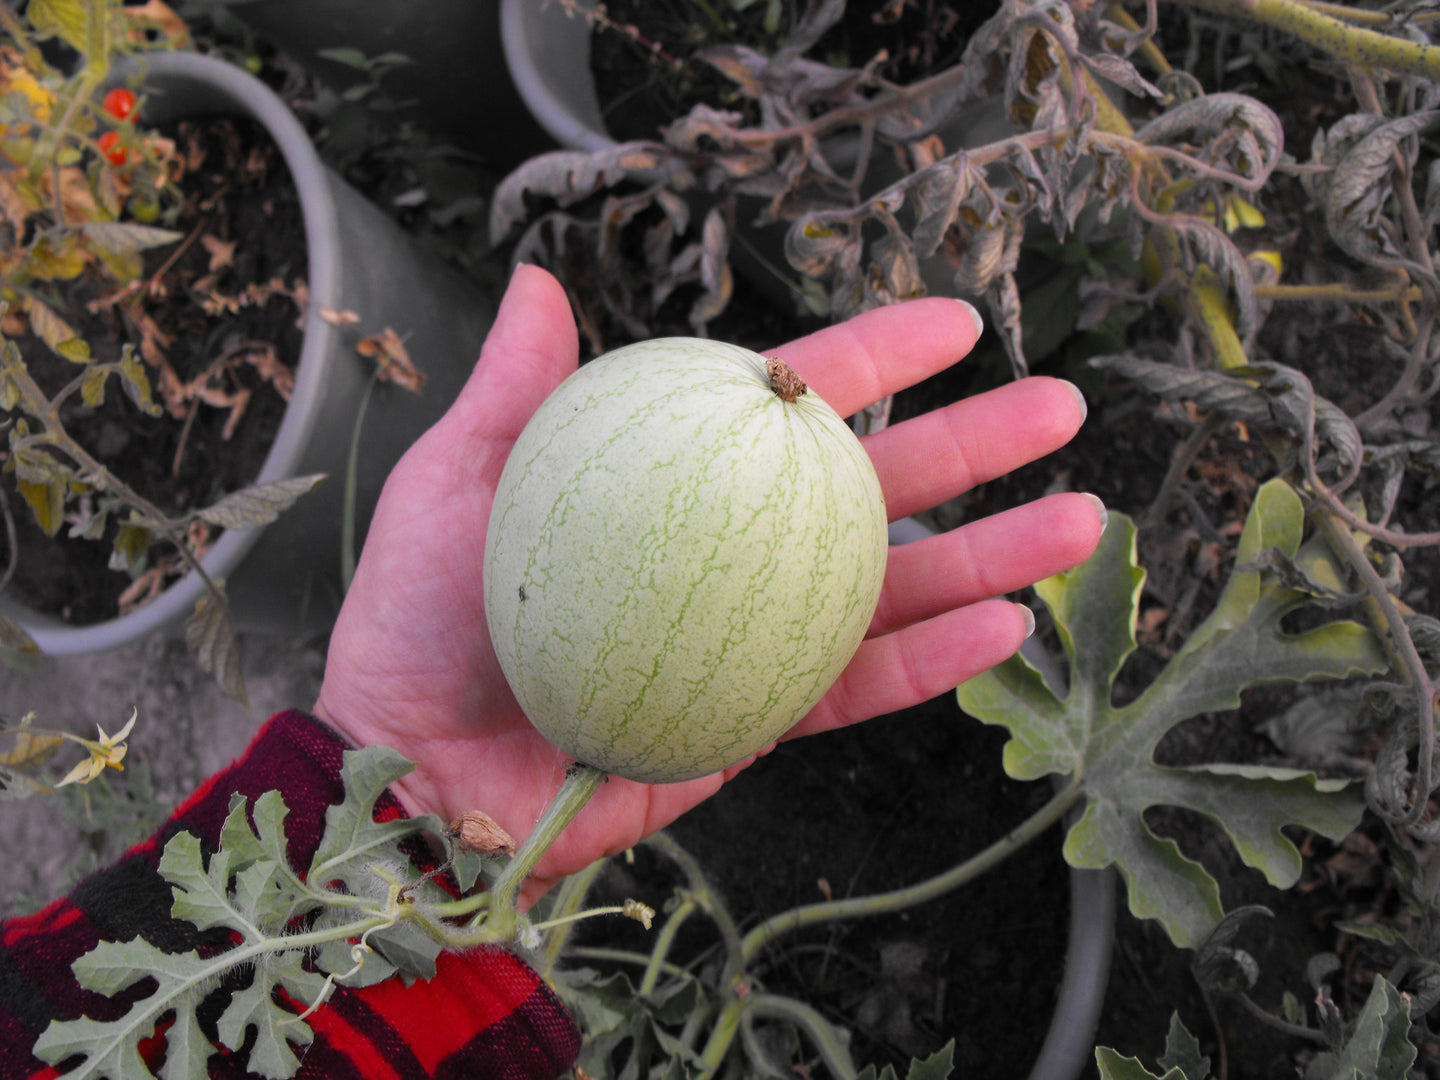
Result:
477,831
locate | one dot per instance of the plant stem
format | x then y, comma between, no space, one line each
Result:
625,956
34,402
721,1036
581,782
703,895
899,899
1299,1031
663,941
568,898
575,916
1312,25
809,1020
1396,640
349,553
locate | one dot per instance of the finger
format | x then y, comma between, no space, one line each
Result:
925,461
531,347
896,671
986,558
880,351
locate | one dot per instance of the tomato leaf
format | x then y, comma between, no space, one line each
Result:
211,640
259,504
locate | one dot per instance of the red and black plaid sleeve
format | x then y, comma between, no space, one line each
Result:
484,1016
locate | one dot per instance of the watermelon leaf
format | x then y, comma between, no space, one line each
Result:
247,887
1110,749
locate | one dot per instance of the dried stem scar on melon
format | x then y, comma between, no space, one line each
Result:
686,549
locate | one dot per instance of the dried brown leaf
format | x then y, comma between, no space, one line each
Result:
222,252
144,588
30,750
740,64
814,248
1358,189
937,193
1237,128
14,207
338,318
566,176
266,362
389,352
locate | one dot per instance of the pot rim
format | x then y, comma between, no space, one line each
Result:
236,92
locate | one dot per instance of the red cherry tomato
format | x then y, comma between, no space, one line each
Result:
119,103
111,148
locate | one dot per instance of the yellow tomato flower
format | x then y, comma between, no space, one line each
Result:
107,750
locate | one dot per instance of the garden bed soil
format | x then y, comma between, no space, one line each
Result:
243,231
866,810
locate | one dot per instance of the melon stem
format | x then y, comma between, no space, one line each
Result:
581,782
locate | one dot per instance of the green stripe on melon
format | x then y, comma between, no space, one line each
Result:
679,563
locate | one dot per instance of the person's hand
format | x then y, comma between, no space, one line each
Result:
410,663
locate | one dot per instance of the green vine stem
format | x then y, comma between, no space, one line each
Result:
704,896
661,952
568,897
727,1025
757,1005
1312,25
581,782
899,899
821,1032
600,953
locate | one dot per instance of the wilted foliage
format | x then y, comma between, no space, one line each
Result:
956,214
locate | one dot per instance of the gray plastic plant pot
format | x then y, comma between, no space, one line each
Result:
1069,1045
285,577
455,86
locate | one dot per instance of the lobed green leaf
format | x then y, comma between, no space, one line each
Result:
1111,749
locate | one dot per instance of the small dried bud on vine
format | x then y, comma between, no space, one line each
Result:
787,385
477,831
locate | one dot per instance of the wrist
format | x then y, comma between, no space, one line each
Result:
414,795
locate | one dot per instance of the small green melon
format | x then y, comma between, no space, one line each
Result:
686,549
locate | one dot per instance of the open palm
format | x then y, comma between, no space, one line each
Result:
410,664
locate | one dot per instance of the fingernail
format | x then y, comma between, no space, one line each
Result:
1029,619
1100,510
974,314
1084,405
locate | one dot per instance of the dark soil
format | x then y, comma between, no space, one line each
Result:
873,808
236,191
